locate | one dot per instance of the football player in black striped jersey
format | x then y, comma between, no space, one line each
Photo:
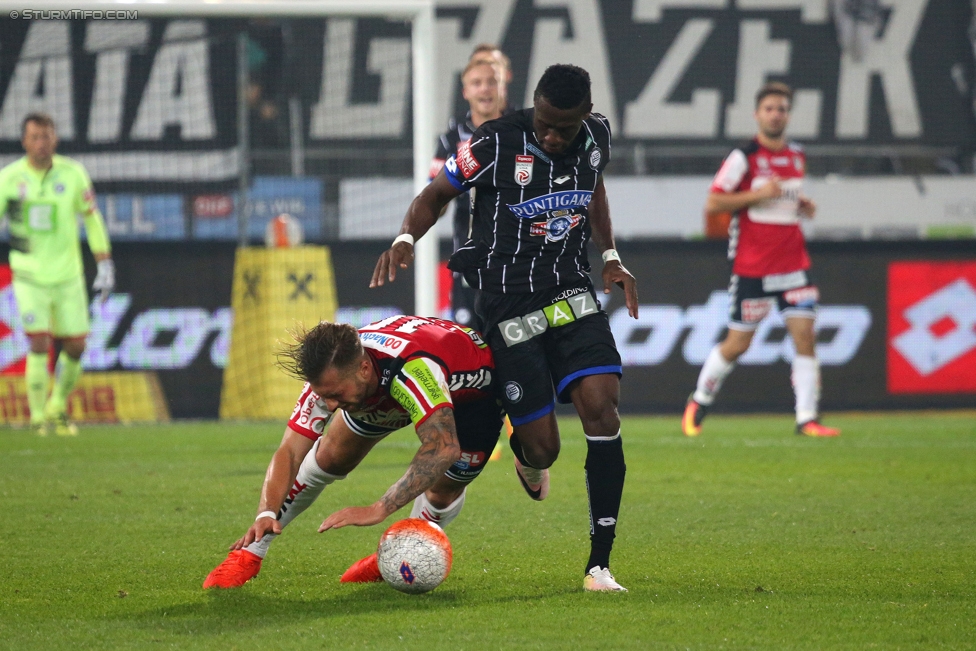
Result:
481,87
539,199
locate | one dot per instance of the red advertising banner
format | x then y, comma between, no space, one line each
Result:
932,327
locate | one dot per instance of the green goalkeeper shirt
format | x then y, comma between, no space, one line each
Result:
42,208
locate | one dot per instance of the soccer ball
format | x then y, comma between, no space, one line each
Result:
414,555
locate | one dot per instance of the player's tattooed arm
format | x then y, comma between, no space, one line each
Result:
439,449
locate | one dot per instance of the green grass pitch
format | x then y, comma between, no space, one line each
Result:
747,537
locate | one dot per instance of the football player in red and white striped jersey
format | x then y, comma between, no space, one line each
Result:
360,386
762,185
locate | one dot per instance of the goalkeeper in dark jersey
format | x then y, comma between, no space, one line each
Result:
539,198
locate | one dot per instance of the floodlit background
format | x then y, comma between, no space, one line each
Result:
198,130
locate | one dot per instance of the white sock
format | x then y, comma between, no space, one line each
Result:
713,373
309,484
806,386
422,508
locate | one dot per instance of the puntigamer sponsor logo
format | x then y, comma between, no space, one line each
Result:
552,201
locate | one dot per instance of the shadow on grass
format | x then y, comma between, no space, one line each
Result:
238,610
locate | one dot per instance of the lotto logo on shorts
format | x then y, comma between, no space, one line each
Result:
932,327
466,161
755,310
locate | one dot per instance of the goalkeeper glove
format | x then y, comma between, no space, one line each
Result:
104,279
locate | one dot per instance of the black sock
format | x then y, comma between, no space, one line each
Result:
605,471
516,446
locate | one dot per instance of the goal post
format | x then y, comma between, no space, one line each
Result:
420,15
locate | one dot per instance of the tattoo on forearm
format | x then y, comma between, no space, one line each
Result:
438,450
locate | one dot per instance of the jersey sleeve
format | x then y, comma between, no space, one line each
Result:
310,416
85,205
421,387
603,136
473,160
730,175
440,157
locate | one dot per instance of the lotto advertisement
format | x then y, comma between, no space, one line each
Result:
896,328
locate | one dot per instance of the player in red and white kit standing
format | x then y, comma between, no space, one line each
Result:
762,184
435,374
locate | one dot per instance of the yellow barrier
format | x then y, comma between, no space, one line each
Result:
274,289
117,397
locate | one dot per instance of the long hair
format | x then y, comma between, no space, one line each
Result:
312,352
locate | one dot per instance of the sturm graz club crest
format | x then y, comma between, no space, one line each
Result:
596,157
523,169
558,225
513,391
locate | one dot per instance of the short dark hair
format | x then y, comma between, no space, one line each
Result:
774,88
327,345
564,86
38,118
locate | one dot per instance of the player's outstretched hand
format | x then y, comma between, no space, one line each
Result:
358,516
616,273
398,256
257,531
104,279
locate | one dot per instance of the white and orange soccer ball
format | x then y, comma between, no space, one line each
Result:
414,555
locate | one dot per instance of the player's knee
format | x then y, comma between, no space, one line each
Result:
443,497
39,343
75,348
734,347
542,453
601,422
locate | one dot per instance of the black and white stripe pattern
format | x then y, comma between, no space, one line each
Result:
540,247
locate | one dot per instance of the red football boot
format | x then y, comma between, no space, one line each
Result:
365,570
238,568
814,428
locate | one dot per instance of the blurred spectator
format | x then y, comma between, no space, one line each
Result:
265,96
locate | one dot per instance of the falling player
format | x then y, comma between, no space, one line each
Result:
762,184
435,374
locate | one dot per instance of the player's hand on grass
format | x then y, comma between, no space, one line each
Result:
104,279
807,207
257,531
358,516
398,256
616,273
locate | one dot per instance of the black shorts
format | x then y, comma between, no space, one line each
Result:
463,304
751,299
478,424
543,341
